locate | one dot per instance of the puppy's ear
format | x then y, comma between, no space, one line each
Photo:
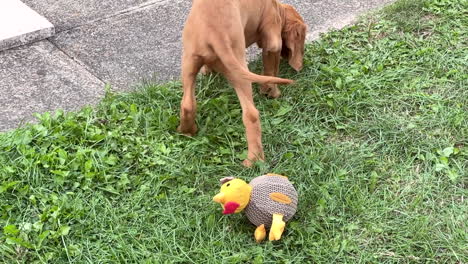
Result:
294,34
295,44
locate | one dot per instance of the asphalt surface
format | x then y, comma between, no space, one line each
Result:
119,42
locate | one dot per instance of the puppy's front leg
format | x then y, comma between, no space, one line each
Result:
271,53
271,62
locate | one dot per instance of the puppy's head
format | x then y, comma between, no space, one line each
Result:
293,35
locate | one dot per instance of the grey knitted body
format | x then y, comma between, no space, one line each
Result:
261,207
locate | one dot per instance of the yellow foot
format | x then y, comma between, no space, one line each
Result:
277,227
260,233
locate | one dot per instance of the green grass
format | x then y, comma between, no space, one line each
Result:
374,135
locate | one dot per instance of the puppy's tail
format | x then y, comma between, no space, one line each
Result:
237,70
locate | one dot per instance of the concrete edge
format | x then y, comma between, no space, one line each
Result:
30,38
340,23
22,25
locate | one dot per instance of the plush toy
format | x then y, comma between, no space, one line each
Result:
269,201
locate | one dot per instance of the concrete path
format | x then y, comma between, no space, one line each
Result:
20,25
121,42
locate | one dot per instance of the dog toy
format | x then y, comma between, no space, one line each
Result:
269,201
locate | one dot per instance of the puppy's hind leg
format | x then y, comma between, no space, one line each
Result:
251,120
191,65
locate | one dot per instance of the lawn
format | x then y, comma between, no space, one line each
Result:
374,135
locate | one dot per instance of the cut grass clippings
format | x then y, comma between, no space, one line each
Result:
374,135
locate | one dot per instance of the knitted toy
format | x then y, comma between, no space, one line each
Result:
269,201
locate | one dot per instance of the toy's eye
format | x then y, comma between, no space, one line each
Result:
227,185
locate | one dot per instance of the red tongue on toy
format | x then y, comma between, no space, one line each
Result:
230,207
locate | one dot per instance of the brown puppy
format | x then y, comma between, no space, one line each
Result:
216,34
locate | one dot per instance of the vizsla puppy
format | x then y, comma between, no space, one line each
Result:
215,36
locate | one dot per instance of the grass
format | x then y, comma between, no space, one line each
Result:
374,135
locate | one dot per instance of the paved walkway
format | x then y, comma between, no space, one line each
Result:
120,42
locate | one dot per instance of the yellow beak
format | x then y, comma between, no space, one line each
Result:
219,198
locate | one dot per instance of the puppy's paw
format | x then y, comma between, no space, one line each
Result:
249,162
188,131
205,70
270,90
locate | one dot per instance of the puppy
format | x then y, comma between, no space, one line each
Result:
215,36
